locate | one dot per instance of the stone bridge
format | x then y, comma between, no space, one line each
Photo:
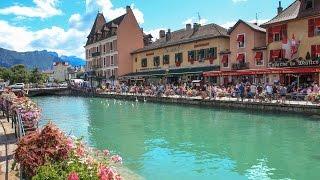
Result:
45,91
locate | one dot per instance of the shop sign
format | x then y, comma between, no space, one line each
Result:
303,63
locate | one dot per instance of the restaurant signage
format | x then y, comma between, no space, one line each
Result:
303,63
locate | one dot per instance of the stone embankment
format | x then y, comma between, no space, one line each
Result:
301,107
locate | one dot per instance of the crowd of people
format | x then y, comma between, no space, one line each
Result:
241,91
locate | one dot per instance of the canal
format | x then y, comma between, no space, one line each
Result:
159,141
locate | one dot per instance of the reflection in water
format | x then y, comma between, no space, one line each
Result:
161,141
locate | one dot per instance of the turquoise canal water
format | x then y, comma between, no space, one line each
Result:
160,141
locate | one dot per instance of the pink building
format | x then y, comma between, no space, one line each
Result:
109,46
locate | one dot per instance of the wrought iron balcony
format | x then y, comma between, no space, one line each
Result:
240,66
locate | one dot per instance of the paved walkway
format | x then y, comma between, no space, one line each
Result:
7,147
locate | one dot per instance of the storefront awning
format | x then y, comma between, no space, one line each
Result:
263,71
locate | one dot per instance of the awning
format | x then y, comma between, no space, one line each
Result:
192,70
276,29
240,38
225,58
145,74
258,56
240,57
264,71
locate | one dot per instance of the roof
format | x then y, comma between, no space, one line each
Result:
295,11
253,26
101,25
291,12
184,36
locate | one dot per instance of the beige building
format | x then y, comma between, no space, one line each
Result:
181,55
60,71
293,38
109,46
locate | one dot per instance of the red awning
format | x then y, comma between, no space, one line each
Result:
276,53
240,57
276,29
317,22
240,38
224,59
258,56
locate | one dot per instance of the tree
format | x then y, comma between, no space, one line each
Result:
20,74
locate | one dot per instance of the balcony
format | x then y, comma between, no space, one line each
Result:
240,66
95,54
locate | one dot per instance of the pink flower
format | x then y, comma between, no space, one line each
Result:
106,152
116,159
70,143
73,176
118,177
106,173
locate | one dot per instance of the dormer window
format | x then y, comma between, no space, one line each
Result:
308,4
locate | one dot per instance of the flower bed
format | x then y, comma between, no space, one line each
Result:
49,153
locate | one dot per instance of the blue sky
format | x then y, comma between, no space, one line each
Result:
62,25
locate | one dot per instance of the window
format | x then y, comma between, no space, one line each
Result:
225,61
314,27
241,58
259,58
276,55
97,49
240,40
211,53
201,55
277,37
111,60
104,48
104,62
166,59
144,62
315,51
308,4
178,59
156,61
191,56
111,46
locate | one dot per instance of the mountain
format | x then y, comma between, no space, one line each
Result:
41,59
73,60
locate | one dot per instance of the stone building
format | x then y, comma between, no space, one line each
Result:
109,45
60,71
180,55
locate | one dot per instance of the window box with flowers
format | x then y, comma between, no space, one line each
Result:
178,59
211,54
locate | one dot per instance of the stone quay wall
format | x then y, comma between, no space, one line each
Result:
251,106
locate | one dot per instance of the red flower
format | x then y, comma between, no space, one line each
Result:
116,159
73,176
106,152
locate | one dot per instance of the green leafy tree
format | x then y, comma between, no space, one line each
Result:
20,74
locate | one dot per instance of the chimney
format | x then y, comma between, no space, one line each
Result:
162,33
196,27
128,8
168,35
280,8
188,27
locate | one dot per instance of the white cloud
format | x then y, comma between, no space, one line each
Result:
43,9
194,20
64,42
111,12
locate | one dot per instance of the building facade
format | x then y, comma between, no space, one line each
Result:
60,71
181,55
109,46
293,39
288,52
